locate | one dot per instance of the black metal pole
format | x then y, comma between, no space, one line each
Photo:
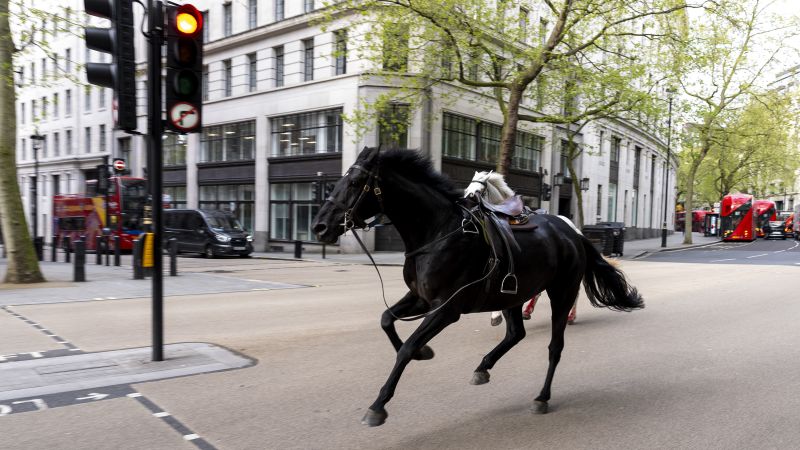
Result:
79,272
98,254
54,248
138,270
67,248
35,189
173,257
154,161
117,251
666,175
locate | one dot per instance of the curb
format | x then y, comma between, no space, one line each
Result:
644,253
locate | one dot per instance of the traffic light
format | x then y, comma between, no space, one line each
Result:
102,178
184,68
546,194
120,74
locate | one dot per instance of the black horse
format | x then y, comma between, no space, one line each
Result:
446,262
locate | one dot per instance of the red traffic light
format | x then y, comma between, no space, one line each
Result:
188,20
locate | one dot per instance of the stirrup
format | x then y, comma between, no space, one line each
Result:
465,230
507,290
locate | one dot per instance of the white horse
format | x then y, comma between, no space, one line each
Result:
494,186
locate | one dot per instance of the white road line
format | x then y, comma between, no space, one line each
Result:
134,395
780,251
756,256
191,437
727,259
161,414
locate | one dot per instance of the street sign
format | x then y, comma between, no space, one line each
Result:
118,164
184,116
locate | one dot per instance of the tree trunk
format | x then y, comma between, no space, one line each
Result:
23,267
508,138
576,188
689,205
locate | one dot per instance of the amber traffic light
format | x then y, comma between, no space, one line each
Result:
184,97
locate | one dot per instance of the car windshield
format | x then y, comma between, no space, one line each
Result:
223,222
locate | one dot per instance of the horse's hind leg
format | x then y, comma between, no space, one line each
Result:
409,305
430,327
561,301
515,332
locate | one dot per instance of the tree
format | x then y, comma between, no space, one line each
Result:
586,60
734,44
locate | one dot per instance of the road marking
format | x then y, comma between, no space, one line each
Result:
134,395
727,259
756,256
161,414
191,437
42,329
93,396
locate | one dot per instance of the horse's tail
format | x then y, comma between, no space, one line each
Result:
606,285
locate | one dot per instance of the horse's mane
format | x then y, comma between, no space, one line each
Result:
495,187
417,167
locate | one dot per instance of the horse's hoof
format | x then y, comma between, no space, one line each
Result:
539,407
374,419
424,353
497,321
479,378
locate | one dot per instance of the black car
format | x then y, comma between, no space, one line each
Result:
209,232
774,230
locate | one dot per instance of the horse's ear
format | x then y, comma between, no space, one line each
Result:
371,153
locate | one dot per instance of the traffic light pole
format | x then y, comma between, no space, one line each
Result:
155,129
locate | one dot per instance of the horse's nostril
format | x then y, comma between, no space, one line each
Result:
320,228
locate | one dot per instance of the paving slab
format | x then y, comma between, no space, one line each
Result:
40,377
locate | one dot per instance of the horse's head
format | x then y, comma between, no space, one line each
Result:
354,199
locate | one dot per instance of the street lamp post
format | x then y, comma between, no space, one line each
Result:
670,93
36,139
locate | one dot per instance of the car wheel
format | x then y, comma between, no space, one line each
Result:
244,255
209,252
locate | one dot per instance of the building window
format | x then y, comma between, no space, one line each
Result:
599,200
44,68
231,142
252,13
523,24
279,10
87,101
68,61
252,71
174,149
395,48
22,113
102,101
308,6
44,108
176,196
307,133
34,112
206,26
88,139
308,59
44,146
23,150
615,149
459,137
68,103
340,37
102,137
228,19
238,199
228,78
292,208
393,126
56,144
68,142
612,202
205,83
527,151
279,66
55,105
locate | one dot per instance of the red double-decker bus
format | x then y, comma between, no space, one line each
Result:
736,218
77,215
764,211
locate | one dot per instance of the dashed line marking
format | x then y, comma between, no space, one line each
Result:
49,333
161,414
756,256
727,259
172,422
191,437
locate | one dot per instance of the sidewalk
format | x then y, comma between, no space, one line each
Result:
632,250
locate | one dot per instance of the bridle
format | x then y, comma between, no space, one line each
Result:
371,184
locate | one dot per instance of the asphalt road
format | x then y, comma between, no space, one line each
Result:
762,252
711,363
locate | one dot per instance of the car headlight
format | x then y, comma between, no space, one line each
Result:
249,238
222,238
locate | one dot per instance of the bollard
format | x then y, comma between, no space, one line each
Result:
138,247
173,256
117,251
54,248
323,251
67,248
38,246
298,249
79,273
107,248
98,254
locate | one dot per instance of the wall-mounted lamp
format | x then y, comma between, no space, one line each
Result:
584,184
558,179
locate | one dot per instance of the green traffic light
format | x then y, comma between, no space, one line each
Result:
185,83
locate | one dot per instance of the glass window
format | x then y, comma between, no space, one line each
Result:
238,199
176,196
44,108
292,208
459,137
308,59
340,54
393,126
88,142
251,71
228,19
252,13
206,26
279,10
174,149
528,151
22,113
228,78
615,148
489,148
205,82
395,48
56,144
68,142
279,66
87,101
68,103
307,133
55,105
102,146
231,142
68,60
308,6
612,202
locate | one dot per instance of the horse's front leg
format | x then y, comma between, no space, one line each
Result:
430,327
515,332
409,305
